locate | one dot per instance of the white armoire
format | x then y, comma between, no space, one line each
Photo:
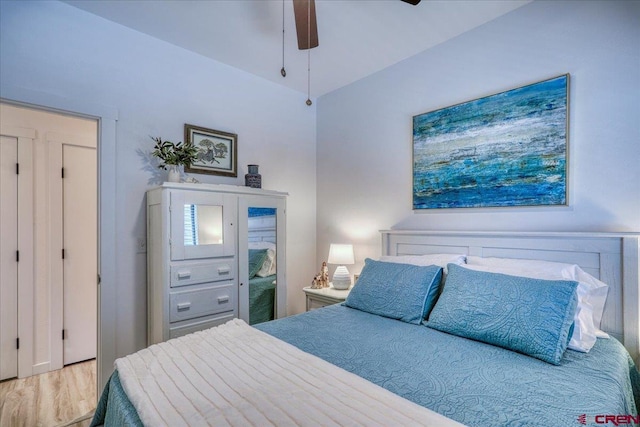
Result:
198,255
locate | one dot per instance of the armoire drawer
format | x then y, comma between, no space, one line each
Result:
190,304
199,325
191,273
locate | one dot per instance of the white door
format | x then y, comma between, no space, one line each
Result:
80,258
8,264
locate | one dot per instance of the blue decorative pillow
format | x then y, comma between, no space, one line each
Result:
530,316
256,259
399,291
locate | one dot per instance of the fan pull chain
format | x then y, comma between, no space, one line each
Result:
309,53
282,70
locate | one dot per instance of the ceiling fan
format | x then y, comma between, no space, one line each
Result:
306,25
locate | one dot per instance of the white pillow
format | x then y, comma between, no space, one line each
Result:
592,293
269,265
424,260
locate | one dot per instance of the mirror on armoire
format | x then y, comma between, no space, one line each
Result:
202,225
262,268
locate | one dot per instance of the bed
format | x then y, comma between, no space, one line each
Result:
346,365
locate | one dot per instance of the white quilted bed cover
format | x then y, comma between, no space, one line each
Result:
235,375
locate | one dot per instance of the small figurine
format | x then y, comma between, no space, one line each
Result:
316,283
321,280
325,275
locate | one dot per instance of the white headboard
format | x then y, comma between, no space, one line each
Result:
614,258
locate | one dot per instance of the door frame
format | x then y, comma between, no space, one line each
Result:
107,118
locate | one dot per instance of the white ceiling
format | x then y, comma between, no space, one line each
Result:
357,37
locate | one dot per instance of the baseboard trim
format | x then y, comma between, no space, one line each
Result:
41,368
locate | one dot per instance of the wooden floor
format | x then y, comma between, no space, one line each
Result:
65,397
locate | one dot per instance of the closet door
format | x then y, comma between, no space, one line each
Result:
80,261
8,264
16,252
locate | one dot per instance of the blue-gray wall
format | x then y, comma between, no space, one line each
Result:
364,129
53,50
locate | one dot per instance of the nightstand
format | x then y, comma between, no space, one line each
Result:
317,298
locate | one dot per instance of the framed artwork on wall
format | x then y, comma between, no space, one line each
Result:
217,151
502,150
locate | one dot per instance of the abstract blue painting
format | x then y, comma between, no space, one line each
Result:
507,149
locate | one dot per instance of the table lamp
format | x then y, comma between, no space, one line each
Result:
341,255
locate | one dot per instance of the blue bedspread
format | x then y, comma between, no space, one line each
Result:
114,407
471,382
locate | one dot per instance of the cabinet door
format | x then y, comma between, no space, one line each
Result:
262,295
202,224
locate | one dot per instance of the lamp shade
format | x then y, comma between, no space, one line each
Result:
341,254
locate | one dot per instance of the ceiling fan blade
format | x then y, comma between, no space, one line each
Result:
304,28
413,2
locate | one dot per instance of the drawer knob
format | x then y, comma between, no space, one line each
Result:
184,274
184,306
223,270
222,300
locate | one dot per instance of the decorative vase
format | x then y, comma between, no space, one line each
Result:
174,173
253,179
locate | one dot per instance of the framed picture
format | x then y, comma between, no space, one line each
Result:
507,149
217,151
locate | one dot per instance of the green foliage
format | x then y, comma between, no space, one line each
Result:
174,154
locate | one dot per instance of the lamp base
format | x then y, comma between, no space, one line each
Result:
341,279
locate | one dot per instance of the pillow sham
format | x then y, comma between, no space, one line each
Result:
256,260
399,291
530,316
424,260
592,293
269,266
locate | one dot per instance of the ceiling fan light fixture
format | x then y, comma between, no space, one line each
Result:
305,16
